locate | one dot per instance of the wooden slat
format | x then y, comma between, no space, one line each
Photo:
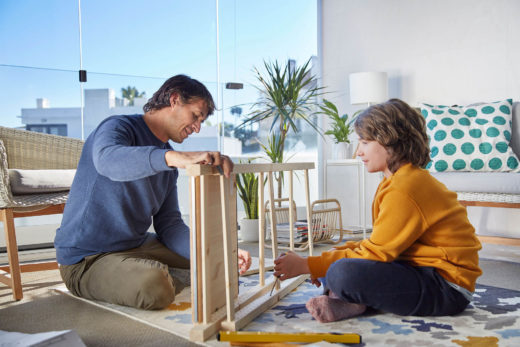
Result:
253,293
272,217
52,209
248,306
291,212
261,229
200,170
230,303
5,277
310,233
201,332
499,240
195,266
206,213
248,313
33,267
489,204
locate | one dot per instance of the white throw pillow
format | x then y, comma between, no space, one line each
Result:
40,181
470,138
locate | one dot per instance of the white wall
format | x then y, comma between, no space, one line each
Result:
443,51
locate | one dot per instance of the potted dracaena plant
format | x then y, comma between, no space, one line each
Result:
341,129
287,94
247,185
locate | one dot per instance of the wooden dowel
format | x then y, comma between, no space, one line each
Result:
272,215
261,229
206,313
310,235
291,212
230,304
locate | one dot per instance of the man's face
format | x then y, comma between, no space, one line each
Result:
184,119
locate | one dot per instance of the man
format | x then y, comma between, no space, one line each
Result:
127,179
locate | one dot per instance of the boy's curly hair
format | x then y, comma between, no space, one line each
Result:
400,129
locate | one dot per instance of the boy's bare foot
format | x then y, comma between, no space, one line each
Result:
327,309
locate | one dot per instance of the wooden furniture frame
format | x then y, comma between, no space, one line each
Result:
11,274
216,303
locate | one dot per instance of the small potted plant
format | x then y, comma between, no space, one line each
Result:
342,127
247,185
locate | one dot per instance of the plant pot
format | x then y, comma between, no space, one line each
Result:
342,150
248,229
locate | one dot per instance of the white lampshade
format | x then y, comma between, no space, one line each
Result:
368,87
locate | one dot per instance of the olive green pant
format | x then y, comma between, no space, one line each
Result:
136,277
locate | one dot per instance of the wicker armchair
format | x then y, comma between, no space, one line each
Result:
25,150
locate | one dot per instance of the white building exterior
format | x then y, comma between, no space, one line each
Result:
102,103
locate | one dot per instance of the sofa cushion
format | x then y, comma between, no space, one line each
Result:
471,138
481,182
40,181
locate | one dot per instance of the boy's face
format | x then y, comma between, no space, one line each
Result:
374,156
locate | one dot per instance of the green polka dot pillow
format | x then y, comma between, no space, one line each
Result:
470,138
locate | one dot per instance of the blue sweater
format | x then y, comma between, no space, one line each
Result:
122,184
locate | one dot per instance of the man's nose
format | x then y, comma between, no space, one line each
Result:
196,127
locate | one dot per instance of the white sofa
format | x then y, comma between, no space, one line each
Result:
486,189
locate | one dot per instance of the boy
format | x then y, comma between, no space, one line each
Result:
422,256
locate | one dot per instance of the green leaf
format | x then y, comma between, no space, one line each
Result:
247,185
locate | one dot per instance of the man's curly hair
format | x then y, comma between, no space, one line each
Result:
188,89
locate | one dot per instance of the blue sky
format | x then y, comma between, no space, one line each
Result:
156,39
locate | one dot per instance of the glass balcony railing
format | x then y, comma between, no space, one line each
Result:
139,46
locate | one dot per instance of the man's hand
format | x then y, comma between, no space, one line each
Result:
183,159
244,261
290,265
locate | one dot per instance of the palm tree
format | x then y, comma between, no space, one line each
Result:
130,93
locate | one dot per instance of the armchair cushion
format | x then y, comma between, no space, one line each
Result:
40,181
471,138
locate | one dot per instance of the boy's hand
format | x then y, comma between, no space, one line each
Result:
316,282
289,265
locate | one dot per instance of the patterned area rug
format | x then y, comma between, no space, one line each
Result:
492,319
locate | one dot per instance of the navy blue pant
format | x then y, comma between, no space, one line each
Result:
394,287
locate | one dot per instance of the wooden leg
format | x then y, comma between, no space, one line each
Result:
195,237
291,212
272,215
310,225
12,253
261,229
230,302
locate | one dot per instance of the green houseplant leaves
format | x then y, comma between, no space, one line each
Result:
247,184
342,126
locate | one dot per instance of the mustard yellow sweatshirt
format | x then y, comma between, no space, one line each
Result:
416,219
